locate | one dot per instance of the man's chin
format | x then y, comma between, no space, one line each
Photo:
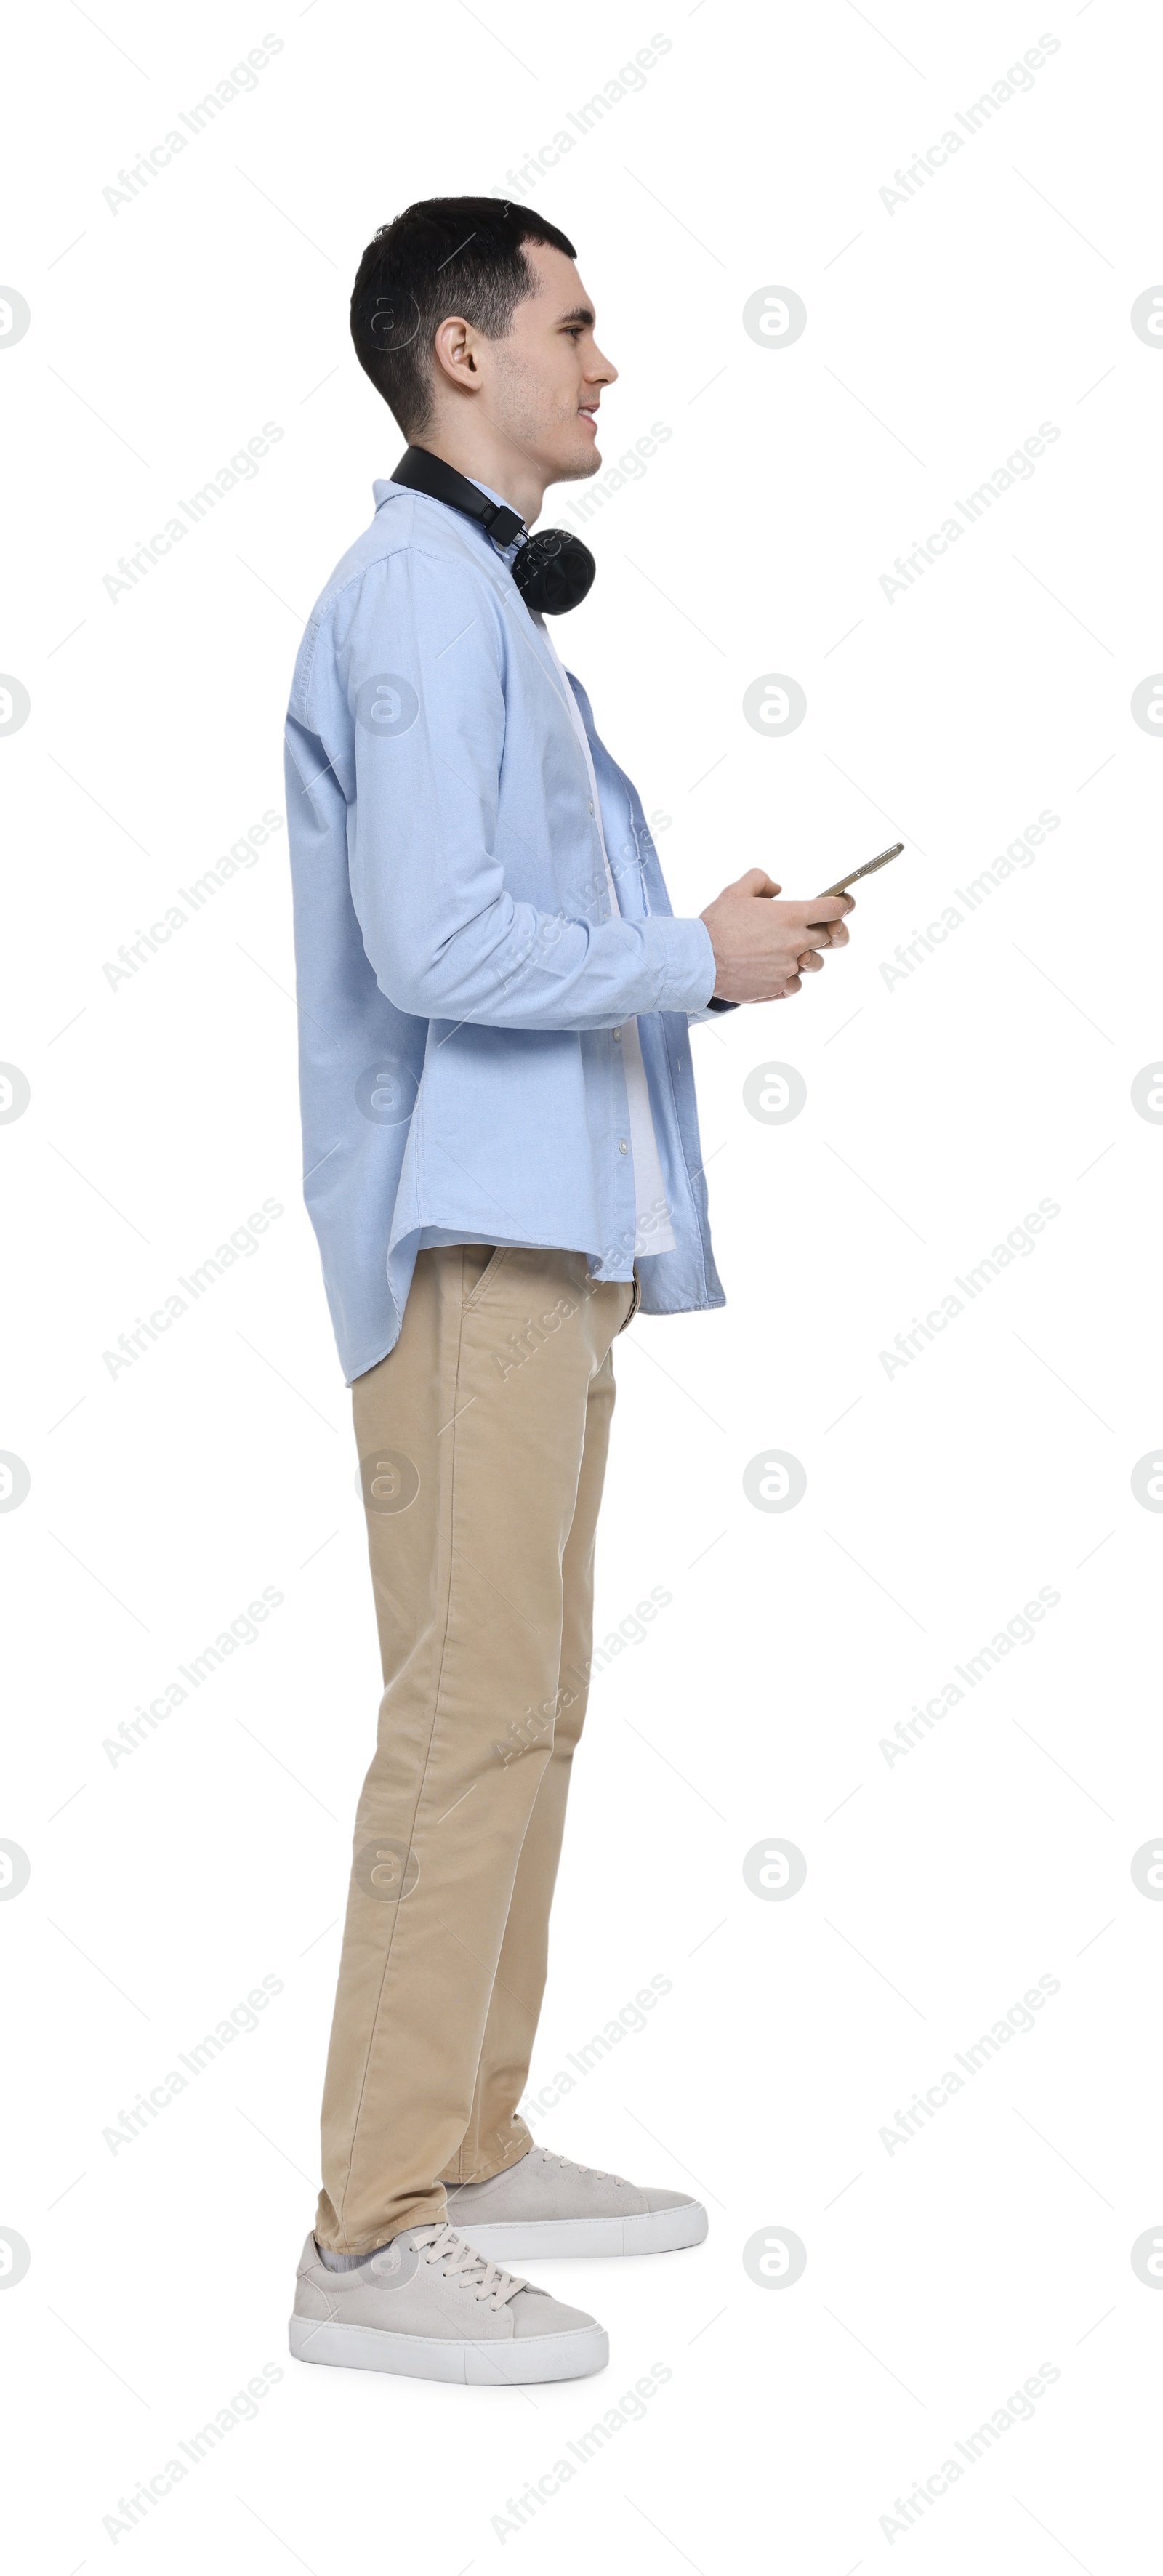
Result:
578,468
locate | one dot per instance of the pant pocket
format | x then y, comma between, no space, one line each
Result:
635,1302
491,1256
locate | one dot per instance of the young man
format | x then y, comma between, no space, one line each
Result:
502,1161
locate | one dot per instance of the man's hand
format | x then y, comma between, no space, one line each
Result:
762,948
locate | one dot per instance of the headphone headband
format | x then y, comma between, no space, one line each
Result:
420,471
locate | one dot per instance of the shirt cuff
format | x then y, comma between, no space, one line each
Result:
688,961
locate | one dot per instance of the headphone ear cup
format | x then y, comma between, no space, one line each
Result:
553,571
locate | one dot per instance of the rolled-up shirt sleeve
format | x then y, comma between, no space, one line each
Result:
399,739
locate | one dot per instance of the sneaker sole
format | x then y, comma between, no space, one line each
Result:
575,2354
650,2231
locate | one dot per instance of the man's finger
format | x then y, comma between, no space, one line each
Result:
816,935
824,907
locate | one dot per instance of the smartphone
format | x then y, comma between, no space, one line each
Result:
868,869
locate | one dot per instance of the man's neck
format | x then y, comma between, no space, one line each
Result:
492,460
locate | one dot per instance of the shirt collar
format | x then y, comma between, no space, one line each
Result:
385,491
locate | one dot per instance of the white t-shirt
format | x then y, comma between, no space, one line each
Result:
653,1231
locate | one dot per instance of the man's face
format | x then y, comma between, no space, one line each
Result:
543,384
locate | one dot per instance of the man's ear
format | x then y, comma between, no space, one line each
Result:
454,351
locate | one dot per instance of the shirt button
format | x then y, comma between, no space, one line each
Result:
618,1035
623,1147
591,804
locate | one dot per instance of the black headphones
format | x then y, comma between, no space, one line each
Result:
552,570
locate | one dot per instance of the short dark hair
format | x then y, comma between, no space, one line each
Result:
445,255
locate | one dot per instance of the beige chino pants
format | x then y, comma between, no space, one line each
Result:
482,1440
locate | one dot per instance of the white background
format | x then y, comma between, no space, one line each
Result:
940,1109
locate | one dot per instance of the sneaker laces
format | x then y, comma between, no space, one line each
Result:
594,2170
487,2281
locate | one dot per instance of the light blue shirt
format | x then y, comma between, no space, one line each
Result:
461,972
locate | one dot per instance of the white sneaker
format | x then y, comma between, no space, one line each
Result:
430,2307
545,2204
